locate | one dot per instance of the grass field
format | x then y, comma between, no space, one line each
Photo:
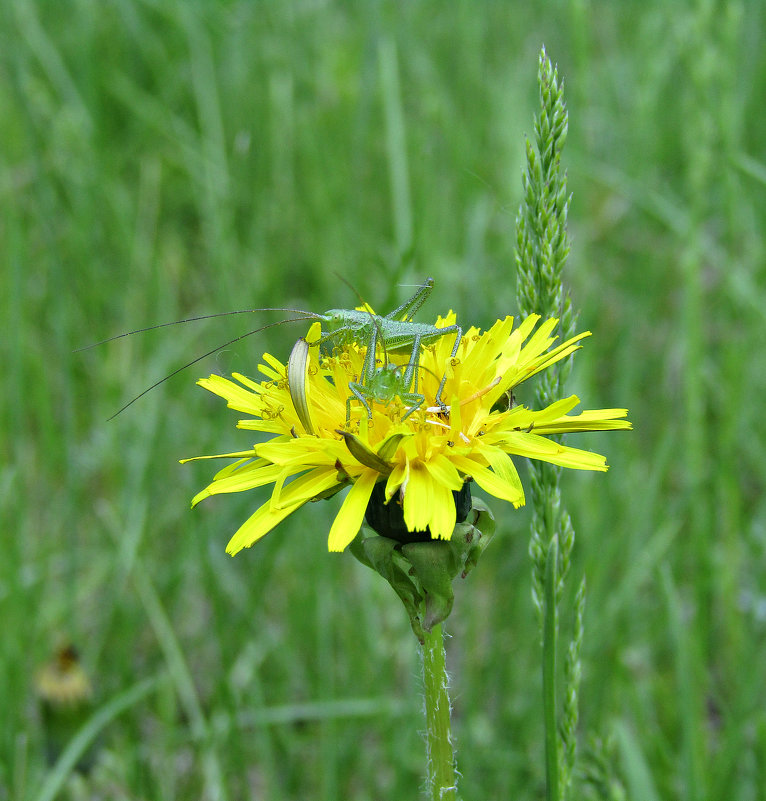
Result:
162,159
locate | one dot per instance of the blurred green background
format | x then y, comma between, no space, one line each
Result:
161,159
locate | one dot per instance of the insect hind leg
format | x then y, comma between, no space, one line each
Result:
410,307
458,337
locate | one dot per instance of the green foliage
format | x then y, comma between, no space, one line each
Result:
165,158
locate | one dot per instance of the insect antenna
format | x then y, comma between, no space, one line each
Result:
343,279
308,316
371,360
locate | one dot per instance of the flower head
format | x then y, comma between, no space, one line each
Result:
323,442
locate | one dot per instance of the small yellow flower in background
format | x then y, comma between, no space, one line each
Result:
63,682
423,456
65,693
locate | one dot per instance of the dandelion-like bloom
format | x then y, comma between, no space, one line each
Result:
423,456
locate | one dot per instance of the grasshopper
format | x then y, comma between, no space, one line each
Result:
394,332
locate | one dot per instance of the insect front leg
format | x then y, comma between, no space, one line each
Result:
337,335
356,391
369,368
411,373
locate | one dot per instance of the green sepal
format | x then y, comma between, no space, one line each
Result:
421,573
382,555
363,454
358,551
330,491
473,535
389,445
435,565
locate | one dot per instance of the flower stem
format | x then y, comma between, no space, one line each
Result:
442,785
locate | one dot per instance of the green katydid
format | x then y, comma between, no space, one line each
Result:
394,332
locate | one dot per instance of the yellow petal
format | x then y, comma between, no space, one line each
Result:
235,455
349,518
489,481
502,466
257,526
534,446
443,513
444,472
266,517
418,498
305,487
249,477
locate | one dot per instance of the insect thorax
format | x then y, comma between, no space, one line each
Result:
347,325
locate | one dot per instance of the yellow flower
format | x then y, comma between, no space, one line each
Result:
422,456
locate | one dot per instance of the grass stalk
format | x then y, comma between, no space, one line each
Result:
550,629
541,250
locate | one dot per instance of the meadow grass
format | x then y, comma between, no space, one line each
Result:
162,159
